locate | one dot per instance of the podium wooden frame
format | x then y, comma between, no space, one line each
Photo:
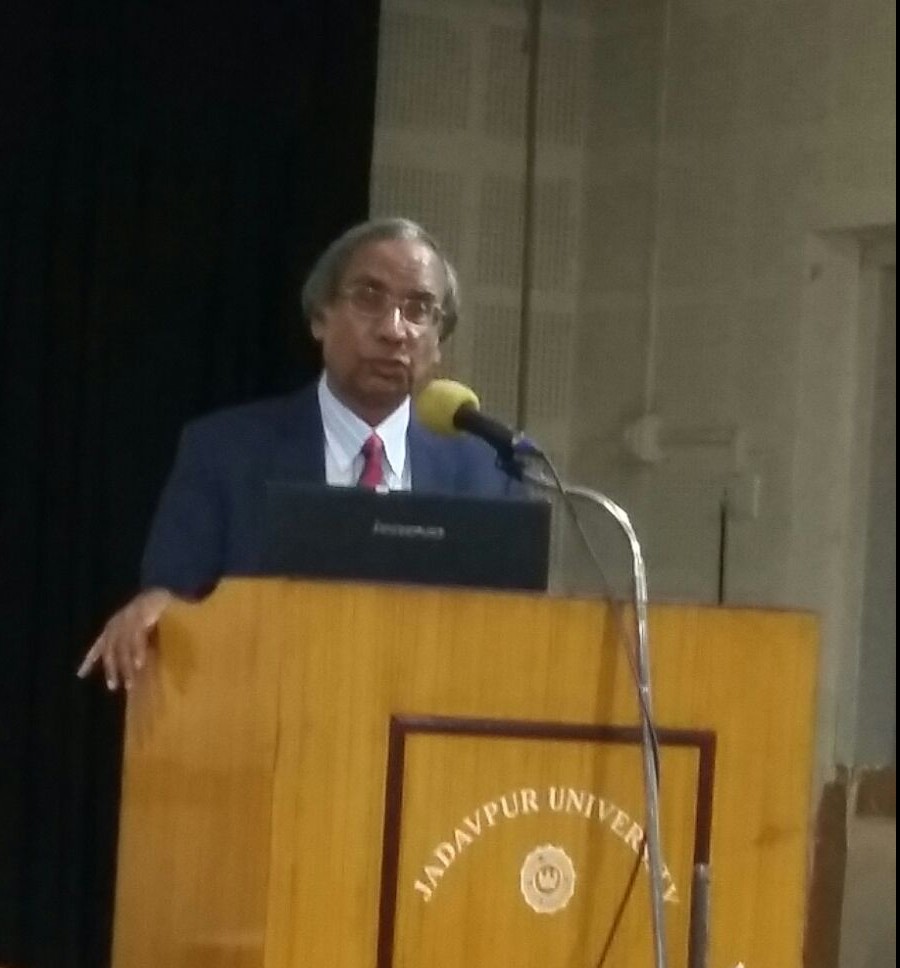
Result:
348,775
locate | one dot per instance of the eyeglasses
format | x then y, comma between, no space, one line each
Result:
373,303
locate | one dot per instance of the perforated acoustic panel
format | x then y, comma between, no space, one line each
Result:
507,70
555,237
428,196
424,68
495,360
450,153
500,226
549,383
561,86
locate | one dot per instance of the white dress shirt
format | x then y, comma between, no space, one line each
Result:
345,434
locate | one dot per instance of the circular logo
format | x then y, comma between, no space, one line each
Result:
547,879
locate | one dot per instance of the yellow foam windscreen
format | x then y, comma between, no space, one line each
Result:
437,403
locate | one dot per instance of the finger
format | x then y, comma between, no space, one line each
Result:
111,669
122,651
90,659
139,650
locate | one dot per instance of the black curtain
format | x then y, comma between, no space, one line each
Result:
168,170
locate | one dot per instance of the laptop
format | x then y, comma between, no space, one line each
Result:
405,536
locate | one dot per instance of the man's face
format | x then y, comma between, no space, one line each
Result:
374,362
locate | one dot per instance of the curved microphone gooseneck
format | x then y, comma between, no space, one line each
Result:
448,407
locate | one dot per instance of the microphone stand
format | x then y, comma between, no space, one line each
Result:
642,666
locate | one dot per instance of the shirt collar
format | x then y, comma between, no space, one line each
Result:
345,432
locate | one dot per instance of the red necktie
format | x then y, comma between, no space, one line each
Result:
372,474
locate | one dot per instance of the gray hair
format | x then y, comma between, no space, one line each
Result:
321,286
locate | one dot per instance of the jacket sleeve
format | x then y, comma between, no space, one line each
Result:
184,550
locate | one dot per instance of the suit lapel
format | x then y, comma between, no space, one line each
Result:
301,455
425,458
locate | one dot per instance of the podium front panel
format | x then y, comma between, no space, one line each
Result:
351,775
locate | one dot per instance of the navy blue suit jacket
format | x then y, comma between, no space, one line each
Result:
209,522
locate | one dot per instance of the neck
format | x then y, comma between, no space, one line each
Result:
373,416
371,412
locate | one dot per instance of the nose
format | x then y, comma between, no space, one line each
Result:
391,324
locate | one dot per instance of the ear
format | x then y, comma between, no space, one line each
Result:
431,358
317,327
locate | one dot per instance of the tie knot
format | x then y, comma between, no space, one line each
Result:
373,446
372,473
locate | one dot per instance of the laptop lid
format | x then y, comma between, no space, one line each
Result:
405,536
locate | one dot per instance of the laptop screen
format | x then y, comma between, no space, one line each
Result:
405,536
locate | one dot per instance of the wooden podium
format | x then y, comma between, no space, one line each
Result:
324,775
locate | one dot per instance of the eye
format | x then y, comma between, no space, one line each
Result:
419,309
368,298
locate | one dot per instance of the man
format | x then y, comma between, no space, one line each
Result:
380,301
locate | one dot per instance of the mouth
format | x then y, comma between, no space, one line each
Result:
389,367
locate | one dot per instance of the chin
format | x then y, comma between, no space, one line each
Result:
390,383
384,395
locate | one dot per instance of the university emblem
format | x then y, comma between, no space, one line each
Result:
547,879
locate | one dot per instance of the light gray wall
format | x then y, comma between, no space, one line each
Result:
709,173
876,735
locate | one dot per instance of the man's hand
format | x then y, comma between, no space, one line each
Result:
122,645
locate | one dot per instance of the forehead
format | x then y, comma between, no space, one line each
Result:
400,264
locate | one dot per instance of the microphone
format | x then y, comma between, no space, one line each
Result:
448,407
